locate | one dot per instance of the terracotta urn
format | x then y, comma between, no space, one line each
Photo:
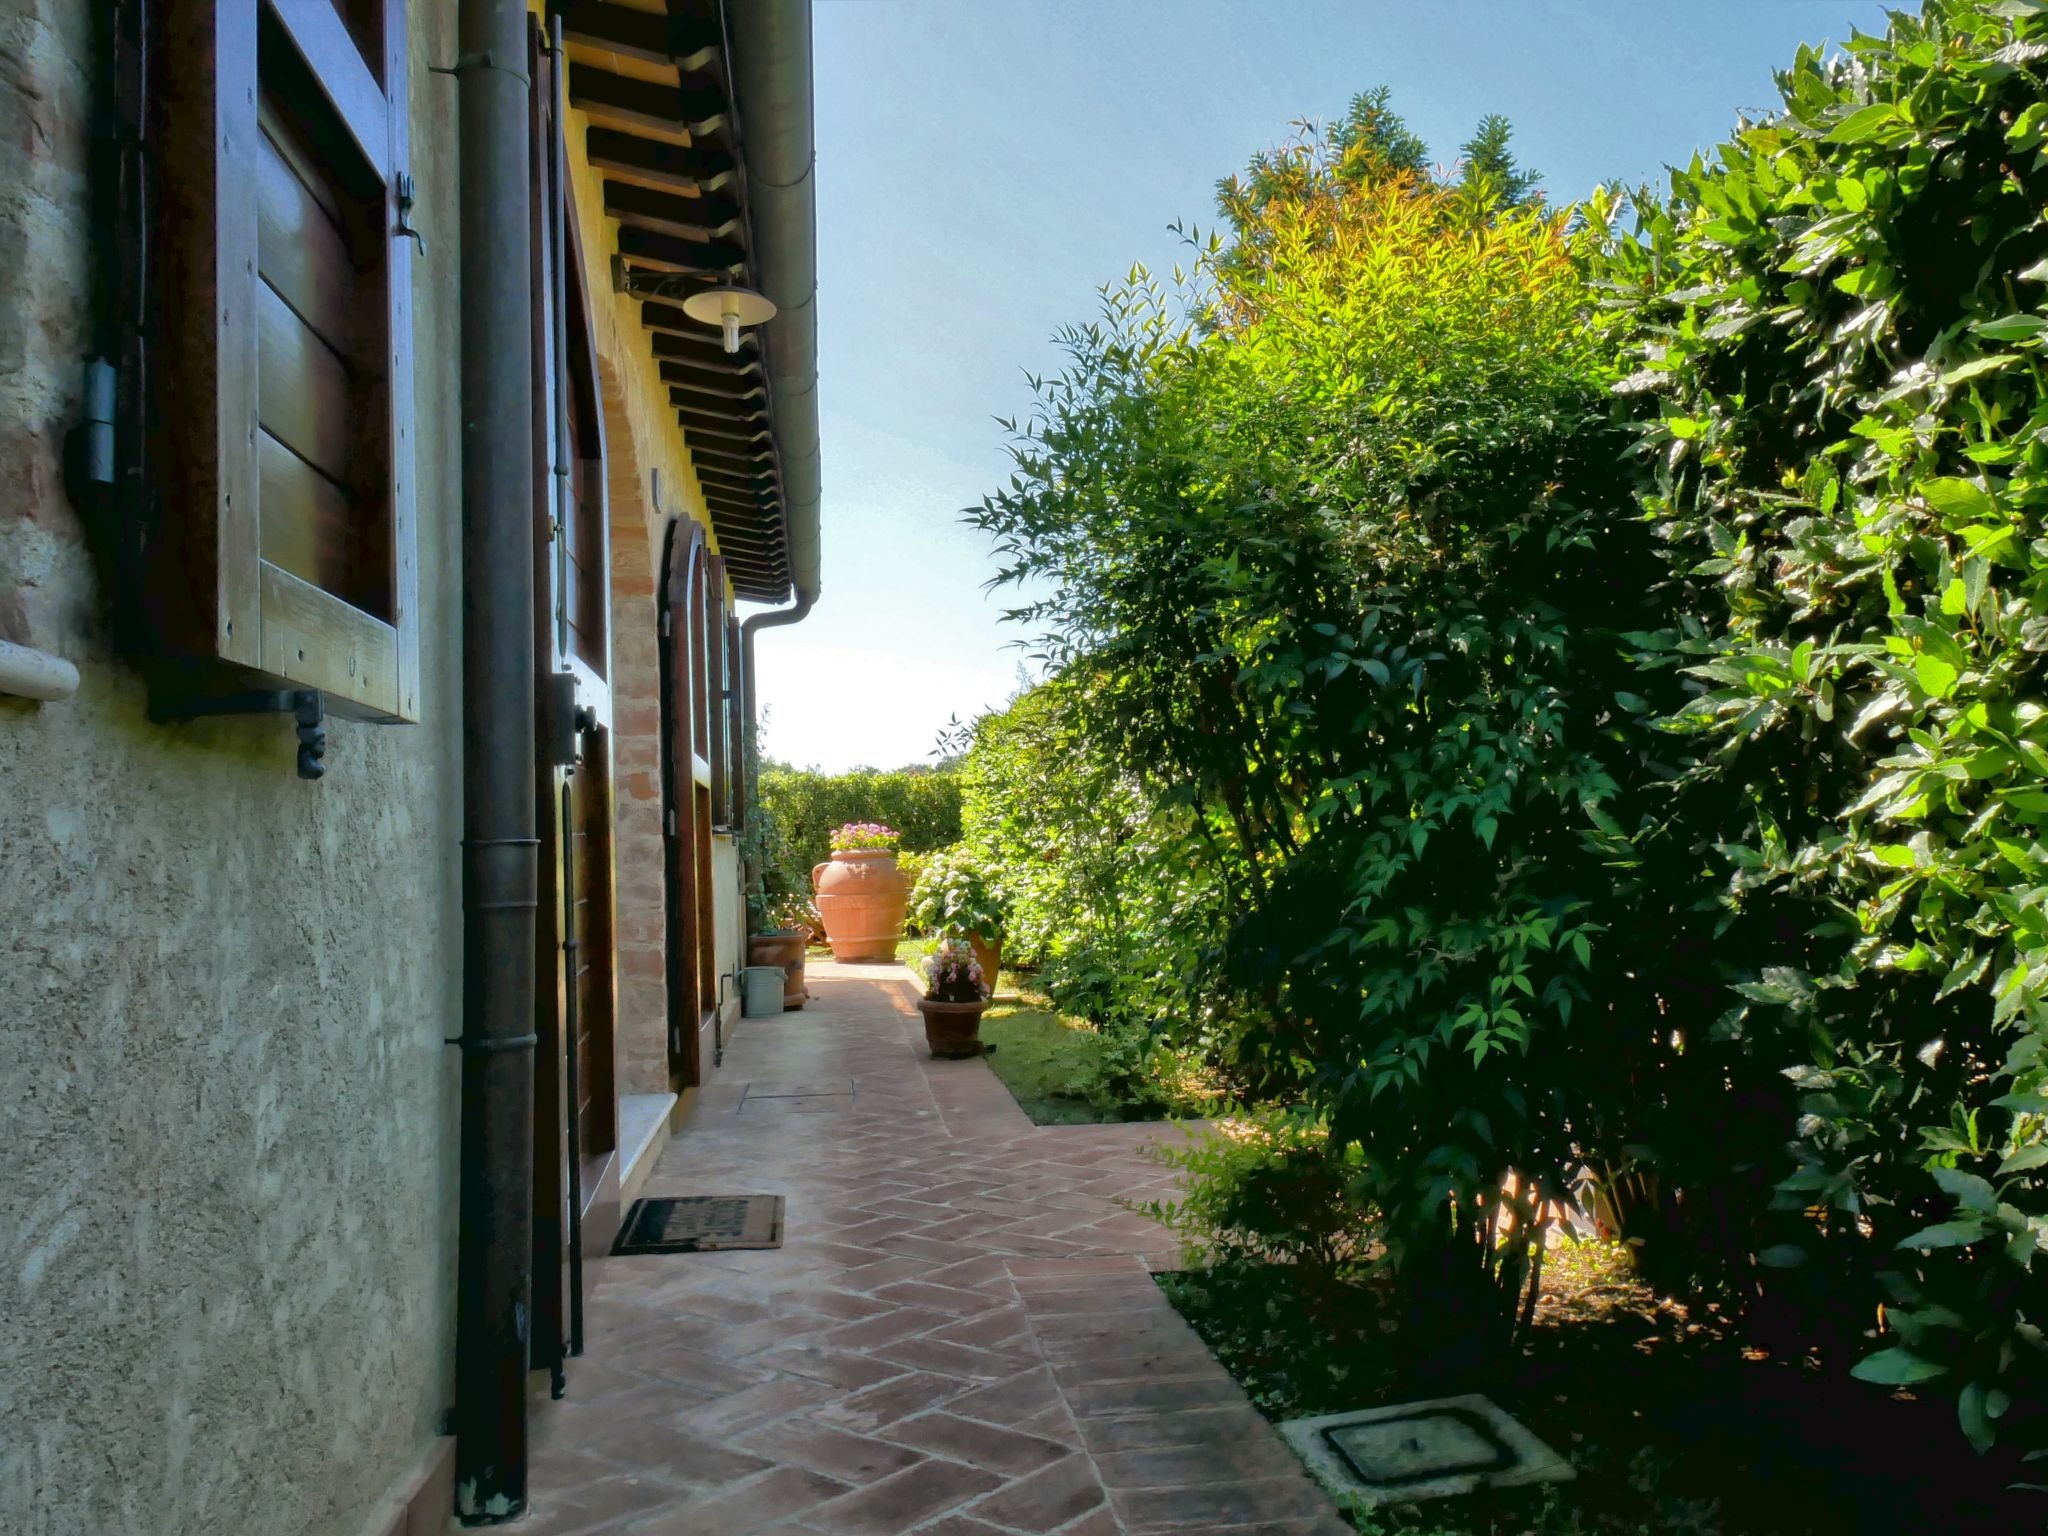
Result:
784,948
952,1030
988,953
861,900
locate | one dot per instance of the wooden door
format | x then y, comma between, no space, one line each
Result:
688,671
576,1162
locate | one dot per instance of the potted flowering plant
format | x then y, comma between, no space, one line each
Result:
953,896
865,837
955,996
783,925
861,892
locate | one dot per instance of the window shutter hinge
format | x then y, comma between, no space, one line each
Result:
407,195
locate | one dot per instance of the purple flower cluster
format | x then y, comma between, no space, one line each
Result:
865,837
953,975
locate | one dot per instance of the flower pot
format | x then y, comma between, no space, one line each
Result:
861,899
784,948
952,1030
988,953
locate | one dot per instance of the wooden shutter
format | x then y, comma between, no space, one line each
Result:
284,539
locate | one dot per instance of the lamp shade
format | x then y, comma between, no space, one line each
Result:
729,309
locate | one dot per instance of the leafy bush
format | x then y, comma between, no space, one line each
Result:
1263,1189
1105,890
923,804
952,894
1337,565
1840,333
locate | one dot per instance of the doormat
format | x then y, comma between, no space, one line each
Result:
701,1224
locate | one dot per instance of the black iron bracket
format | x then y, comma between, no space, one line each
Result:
305,705
668,286
469,63
408,195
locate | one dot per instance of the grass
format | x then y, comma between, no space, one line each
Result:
1052,1064
1045,1059
1674,1421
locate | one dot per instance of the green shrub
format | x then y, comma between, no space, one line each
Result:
1840,332
1106,890
1266,1188
1338,562
806,806
952,893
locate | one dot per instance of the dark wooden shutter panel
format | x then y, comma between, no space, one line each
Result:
283,543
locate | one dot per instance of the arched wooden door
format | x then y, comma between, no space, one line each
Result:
576,1160
688,673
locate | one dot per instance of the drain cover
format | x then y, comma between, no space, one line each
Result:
701,1224
1414,1451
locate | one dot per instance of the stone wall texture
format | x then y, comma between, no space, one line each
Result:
227,1211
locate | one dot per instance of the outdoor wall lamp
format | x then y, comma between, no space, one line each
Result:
729,309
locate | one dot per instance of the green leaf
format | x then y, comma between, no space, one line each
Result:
1970,1413
1865,124
1948,1234
1977,367
1895,1368
2022,1160
1959,498
2011,327
1969,1188
1936,676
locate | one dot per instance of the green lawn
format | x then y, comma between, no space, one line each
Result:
1048,1061
1044,1059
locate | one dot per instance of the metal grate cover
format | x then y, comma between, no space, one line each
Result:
701,1224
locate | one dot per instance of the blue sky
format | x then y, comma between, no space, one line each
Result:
985,165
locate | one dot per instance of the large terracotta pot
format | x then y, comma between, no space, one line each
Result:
952,1030
784,949
861,898
989,954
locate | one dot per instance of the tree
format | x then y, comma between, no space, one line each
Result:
1487,166
1333,545
1370,146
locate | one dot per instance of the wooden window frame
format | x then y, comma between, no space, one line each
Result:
213,603
717,692
736,721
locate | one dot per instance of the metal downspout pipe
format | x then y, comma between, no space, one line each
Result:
771,53
500,848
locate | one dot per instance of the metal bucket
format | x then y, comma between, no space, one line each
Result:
761,991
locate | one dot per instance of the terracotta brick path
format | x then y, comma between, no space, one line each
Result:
961,1334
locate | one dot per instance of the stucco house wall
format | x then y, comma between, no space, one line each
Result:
228,1206
227,1210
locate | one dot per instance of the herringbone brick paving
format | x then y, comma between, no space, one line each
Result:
960,1336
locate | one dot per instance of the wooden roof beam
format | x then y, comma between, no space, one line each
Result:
687,42
688,218
666,252
705,363
690,167
620,100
